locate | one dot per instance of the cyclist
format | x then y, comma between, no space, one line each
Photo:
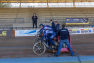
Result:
47,32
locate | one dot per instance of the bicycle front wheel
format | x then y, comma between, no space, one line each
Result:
39,48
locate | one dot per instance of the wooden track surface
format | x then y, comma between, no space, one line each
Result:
18,47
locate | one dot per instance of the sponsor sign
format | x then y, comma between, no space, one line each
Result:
75,21
5,33
93,29
25,32
85,31
74,31
92,26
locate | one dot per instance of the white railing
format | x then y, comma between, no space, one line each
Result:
51,6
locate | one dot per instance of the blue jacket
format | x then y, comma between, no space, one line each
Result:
57,28
63,33
53,26
34,19
46,30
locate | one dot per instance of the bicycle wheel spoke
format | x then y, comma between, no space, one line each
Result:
36,46
36,49
39,51
41,48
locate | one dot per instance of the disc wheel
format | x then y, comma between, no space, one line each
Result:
39,48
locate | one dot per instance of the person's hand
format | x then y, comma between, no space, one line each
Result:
42,34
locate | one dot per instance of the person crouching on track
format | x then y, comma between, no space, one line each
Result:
64,34
47,31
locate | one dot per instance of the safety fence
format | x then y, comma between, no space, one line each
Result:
34,32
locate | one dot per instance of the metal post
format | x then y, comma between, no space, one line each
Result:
20,4
74,3
0,3
47,4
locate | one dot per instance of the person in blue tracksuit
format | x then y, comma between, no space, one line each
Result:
56,26
52,24
64,34
47,31
56,29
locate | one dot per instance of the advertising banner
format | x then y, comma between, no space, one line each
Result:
86,30
25,32
81,30
74,31
71,31
76,21
93,30
92,26
5,33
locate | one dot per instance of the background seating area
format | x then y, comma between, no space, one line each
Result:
21,17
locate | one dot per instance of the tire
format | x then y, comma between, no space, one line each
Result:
39,48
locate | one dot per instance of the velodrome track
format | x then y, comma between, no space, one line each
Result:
19,50
21,47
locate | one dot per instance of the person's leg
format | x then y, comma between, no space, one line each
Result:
68,45
52,37
60,46
48,40
56,36
36,24
33,24
49,43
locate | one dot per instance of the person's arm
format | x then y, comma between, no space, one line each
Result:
68,32
52,24
32,17
43,35
59,33
36,17
57,28
40,31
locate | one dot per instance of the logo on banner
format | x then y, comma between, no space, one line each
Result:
5,32
73,31
85,31
93,29
73,21
27,32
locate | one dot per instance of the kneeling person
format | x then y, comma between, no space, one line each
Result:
64,34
